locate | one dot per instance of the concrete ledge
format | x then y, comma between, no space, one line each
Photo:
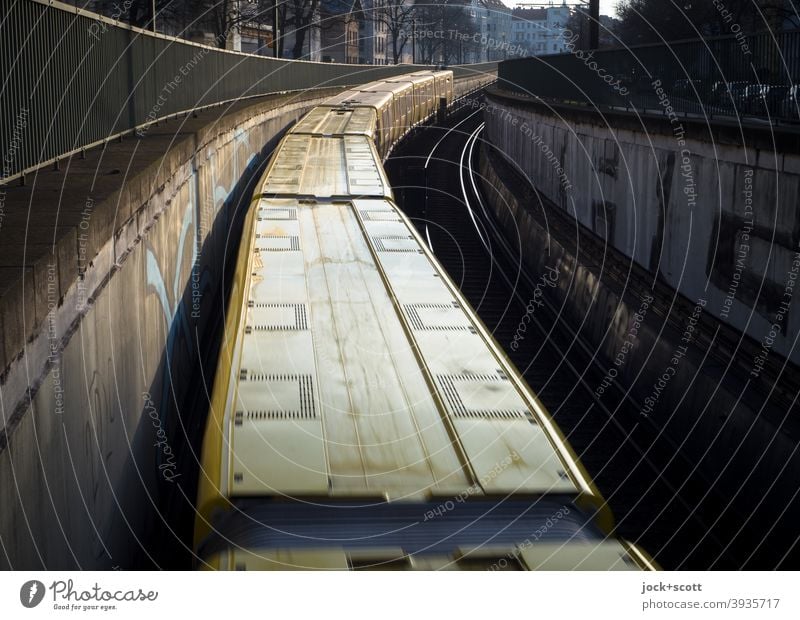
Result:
723,131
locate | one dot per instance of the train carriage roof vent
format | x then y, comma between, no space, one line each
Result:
277,392
379,215
436,317
395,243
278,317
480,396
277,243
281,213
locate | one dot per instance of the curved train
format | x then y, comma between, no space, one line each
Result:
362,416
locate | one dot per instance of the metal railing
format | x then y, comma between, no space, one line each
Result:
735,76
70,79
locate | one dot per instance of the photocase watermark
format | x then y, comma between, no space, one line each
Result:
10,156
678,131
677,355
197,294
170,87
98,28
542,530
473,38
206,217
473,489
67,597
31,593
627,345
743,249
168,467
551,158
83,258
587,57
53,342
529,132
687,172
777,325
736,28
547,280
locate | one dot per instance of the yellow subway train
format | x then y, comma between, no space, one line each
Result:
362,416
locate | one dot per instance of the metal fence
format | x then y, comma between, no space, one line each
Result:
736,76
70,79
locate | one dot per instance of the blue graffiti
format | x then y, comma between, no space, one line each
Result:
172,306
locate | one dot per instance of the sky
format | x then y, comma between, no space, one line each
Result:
606,6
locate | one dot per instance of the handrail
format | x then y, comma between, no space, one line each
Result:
71,79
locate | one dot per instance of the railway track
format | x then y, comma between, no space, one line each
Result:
658,499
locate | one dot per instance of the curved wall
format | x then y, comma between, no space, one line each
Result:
88,451
716,220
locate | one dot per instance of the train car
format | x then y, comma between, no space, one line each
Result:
423,92
339,120
399,103
314,166
403,104
362,416
442,84
383,105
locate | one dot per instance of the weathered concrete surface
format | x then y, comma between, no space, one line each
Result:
94,362
710,208
742,442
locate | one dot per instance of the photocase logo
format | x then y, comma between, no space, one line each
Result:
31,593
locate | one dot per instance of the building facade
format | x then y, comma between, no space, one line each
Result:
492,40
339,25
537,32
372,36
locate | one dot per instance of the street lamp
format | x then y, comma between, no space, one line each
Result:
414,41
275,28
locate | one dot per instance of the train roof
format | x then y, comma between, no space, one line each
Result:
362,415
332,120
374,99
438,73
397,88
326,166
413,78
362,372
388,87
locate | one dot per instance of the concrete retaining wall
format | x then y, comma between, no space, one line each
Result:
686,200
84,462
743,453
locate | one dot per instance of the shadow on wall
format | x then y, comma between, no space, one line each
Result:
164,464
111,481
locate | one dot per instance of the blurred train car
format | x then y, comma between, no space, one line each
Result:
362,416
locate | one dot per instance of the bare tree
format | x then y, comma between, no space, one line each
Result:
398,18
651,21
183,17
300,16
445,31
135,12
225,16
